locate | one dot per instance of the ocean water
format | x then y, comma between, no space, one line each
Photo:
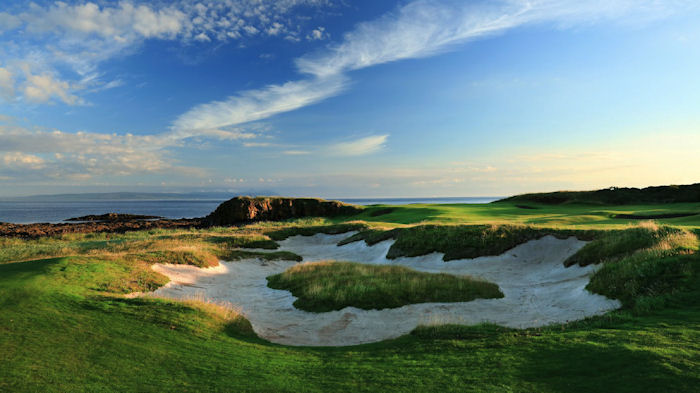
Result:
25,212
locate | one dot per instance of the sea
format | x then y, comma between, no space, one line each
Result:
32,211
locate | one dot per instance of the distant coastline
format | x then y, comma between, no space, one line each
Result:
57,208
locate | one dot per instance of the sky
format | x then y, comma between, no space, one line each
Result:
342,98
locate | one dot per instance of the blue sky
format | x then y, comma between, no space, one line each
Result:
348,98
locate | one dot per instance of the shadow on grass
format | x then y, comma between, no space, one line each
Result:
398,214
597,367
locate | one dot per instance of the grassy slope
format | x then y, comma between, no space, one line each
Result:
61,330
328,286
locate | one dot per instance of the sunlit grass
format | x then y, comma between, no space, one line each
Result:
327,286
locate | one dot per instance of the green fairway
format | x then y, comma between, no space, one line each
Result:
569,215
65,325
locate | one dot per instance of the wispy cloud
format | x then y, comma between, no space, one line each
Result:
7,84
359,147
259,104
418,29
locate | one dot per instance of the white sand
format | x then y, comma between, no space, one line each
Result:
538,291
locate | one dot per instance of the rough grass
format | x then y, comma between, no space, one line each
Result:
225,314
616,244
236,255
328,286
178,257
459,241
333,229
648,277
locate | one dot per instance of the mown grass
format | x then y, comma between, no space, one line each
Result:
328,286
566,216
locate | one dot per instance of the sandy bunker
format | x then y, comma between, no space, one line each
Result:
538,291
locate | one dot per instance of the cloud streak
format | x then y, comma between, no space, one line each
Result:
259,104
359,147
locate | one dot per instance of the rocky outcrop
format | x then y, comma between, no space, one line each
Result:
247,209
238,210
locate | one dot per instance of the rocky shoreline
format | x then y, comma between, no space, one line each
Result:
33,231
236,211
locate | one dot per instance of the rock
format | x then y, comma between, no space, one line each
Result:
247,209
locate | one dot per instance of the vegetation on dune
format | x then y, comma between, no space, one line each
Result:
333,229
647,280
235,255
459,241
645,274
328,286
195,247
615,244
616,196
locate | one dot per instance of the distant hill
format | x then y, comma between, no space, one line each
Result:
113,196
615,196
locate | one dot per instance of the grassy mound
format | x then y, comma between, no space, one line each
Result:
616,196
328,286
616,244
459,241
236,255
335,229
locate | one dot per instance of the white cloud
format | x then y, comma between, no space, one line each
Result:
7,84
41,88
296,152
317,34
258,104
8,21
418,29
22,160
82,34
55,154
124,22
359,147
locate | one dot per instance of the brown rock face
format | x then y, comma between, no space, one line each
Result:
247,209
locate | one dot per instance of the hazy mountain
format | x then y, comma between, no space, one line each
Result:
140,196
